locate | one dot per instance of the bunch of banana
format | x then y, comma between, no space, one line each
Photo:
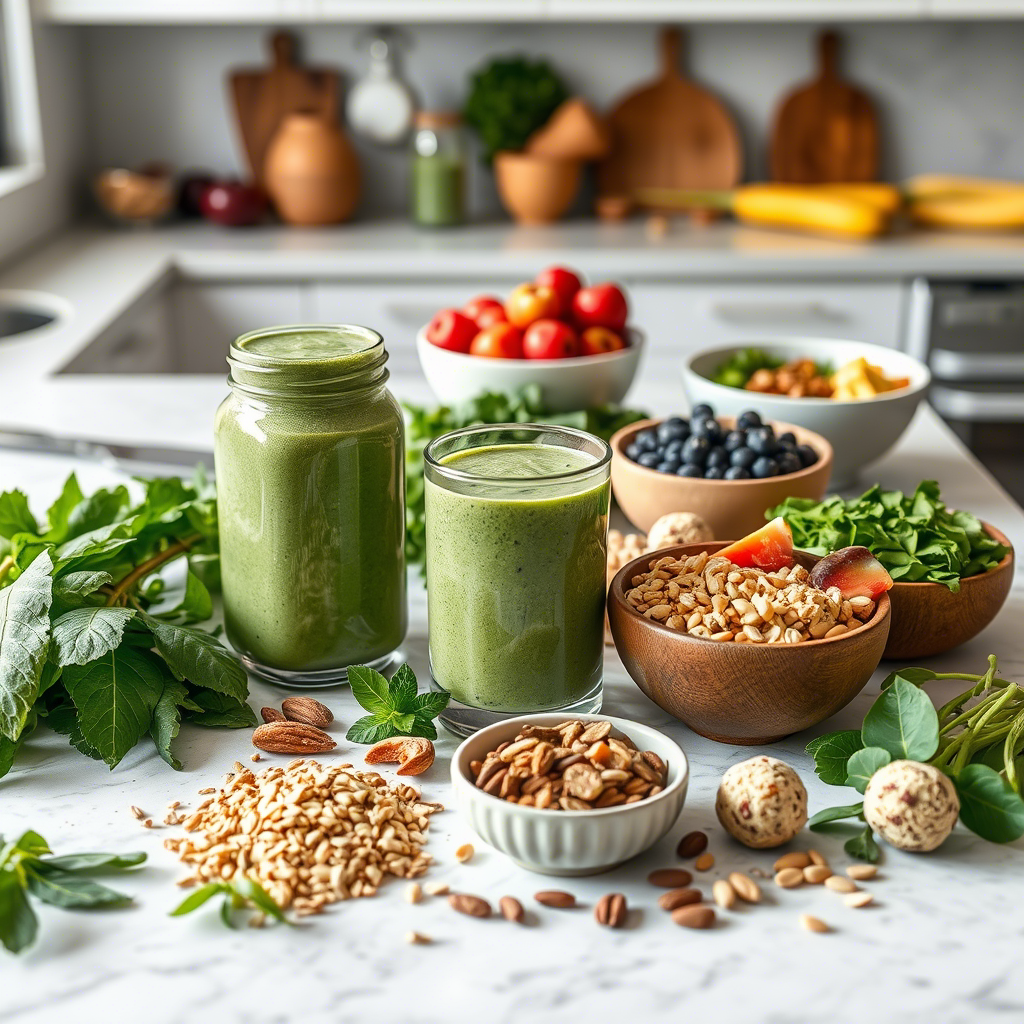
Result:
970,204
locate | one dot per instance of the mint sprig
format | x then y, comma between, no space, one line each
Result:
396,707
239,894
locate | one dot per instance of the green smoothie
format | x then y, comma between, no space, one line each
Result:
311,492
516,576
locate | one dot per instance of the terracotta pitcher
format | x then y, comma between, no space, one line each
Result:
311,171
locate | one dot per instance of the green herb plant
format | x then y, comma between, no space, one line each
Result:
239,894
28,869
915,537
396,708
977,739
98,605
742,365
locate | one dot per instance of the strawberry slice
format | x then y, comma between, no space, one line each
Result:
855,571
769,548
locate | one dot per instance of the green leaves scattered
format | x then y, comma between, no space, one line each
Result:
238,894
915,536
863,846
26,868
988,806
902,721
863,764
831,754
831,814
396,708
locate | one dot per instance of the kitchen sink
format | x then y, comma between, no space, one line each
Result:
21,312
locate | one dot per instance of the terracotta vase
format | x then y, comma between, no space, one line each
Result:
536,189
311,171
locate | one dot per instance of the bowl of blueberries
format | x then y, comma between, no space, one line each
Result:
726,469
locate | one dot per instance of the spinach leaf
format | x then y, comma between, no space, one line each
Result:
18,924
218,709
831,754
85,634
95,861
198,657
167,720
67,889
15,516
988,806
834,814
73,586
863,846
59,513
863,764
904,722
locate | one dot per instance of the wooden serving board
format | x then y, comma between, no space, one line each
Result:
826,131
264,97
670,133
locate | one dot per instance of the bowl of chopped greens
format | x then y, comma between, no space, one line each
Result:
952,571
859,397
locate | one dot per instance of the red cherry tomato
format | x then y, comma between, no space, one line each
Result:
499,341
595,341
452,330
529,302
550,339
564,282
484,306
603,305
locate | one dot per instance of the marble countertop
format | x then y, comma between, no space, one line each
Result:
941,943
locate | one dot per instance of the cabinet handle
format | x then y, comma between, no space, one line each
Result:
747,313
977,406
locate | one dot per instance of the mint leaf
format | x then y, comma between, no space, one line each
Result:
831,753
835,814
66,889
424,727
15,516
167,720
219,709
402,687
431,704
24,640
370,729
18,924
371,689
904,722
115,697
198,657
863,764
85,634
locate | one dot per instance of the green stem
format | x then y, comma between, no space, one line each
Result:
143,570
968,748
5,566
1013,737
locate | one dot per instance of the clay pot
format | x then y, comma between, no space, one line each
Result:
573,132
536,189
311,171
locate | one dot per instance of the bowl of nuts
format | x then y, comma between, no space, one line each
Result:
741,654
570,797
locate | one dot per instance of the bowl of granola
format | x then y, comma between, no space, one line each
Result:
740,654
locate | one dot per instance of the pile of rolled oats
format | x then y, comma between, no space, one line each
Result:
711,597
309,834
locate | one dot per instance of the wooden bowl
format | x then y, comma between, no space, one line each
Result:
742,693
536,189
732,508
927,618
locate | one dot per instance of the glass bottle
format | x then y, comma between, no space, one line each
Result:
438,171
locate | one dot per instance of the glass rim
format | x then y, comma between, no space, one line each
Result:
517,481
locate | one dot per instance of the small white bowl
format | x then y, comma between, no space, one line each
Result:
566,384
859,431
570,843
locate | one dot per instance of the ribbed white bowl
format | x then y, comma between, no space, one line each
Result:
570,842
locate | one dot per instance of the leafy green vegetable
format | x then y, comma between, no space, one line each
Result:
863,846
915,537
831,754
240,893
509,99
95,611
26,868
863,764
831,814
396,708
988,806
903,722
742,365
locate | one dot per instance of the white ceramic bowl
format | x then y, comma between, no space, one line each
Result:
566,384
859,431
570,842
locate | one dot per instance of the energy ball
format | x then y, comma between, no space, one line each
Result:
762,802
912,806
678,528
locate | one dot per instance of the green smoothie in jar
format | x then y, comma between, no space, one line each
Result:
309,454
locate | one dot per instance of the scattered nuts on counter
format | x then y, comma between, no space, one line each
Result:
555,898
858,899
817,858
413,892
813,924
723,894
840,883
511,909
746,888
679,898
148,823
436,888
792,860
705,862
861,872
255,757
789,878
308,710
692,844
694,916
472,906
138,812
669,878
816,874
762,802
611,910
574,766
417,939
464,853
292,738
271,715
413,754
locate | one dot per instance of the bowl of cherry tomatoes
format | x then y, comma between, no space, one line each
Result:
571,340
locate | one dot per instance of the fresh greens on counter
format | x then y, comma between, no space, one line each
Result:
977,739
240,893
97,606
27,868
915,537
424,424
396,707
742,365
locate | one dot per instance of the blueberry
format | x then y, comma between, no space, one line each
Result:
649,459
702,412
789,462
668,466
787,446
737,473
695,451
714,473
787,436
735,439
764,467
762,441
673,449
808,456
718,458
742,458
748,419
690,470
633,452
673,429
646,440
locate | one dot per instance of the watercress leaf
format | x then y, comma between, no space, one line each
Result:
988,806
370,729
195,899
422,727
219,710
115,696
32,844
917,676
73,586
903,721
67,889
430,705
18,924
835,814
167,720
863,846
370,689
15,516
94,861
831,753
403,687
194,655
863,764
85,634
24,641
259,897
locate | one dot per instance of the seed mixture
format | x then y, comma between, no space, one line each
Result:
712,598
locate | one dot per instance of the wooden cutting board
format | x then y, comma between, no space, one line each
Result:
264,97
670,134
827,130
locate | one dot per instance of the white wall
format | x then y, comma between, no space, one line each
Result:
950,94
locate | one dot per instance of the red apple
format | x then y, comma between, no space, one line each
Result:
499,341
452,330
484,307
550,339
529,302
564,282
595,341
603,305
490,316
233,203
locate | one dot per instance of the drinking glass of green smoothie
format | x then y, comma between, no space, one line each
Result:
517,524
309,455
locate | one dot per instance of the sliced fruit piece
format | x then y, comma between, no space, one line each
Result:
855,571
769,548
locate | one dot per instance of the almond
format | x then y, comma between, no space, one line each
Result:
612,910
472,906
694,916
555,898
413,754
679,898
272,715
292,738
307,710
746,888
692,844
669,878
511,909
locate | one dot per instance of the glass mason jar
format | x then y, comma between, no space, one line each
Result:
516,550
309,455
438,171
